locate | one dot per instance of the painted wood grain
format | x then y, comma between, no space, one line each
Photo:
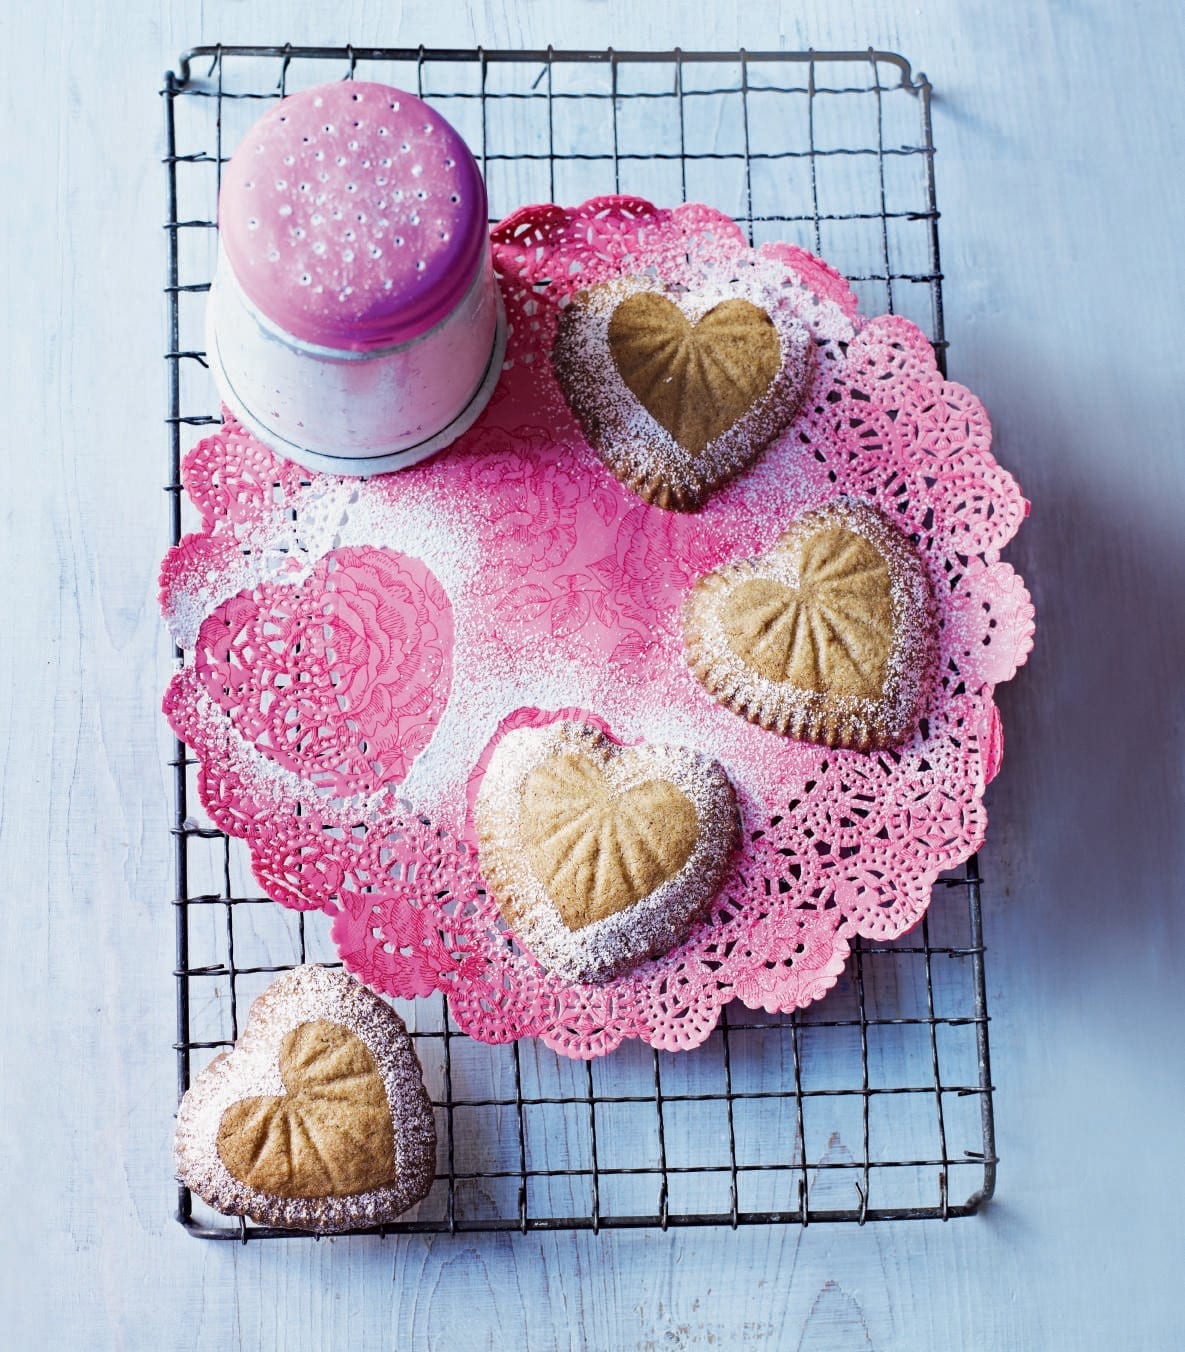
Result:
1061,181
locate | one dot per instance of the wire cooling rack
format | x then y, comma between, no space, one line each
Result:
875,1104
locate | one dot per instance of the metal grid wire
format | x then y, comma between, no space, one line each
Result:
872,1105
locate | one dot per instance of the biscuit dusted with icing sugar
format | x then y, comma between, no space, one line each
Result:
600,855
318,1119
828,637
678,392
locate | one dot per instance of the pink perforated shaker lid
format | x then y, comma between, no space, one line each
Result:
353,216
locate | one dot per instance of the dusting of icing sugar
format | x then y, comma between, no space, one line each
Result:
500,665
264,779
284,545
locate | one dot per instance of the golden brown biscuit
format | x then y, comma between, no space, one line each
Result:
598,855
318,1119
679,392
827,637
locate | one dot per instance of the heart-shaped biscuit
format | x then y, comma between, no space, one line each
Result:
597,851
328,1135
679,392
318,1118
828,637
600,855
694,379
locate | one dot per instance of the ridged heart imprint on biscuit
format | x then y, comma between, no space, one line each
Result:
318,1118
328,1135
679,391
828,637
600,855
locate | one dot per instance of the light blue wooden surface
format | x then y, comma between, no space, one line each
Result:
1060,176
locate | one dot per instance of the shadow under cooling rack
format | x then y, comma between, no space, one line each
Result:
874,1104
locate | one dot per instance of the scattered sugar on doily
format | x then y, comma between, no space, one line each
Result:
649,693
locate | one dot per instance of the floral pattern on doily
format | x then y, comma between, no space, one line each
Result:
340,679
353,648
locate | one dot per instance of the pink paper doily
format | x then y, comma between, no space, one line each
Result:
354,648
